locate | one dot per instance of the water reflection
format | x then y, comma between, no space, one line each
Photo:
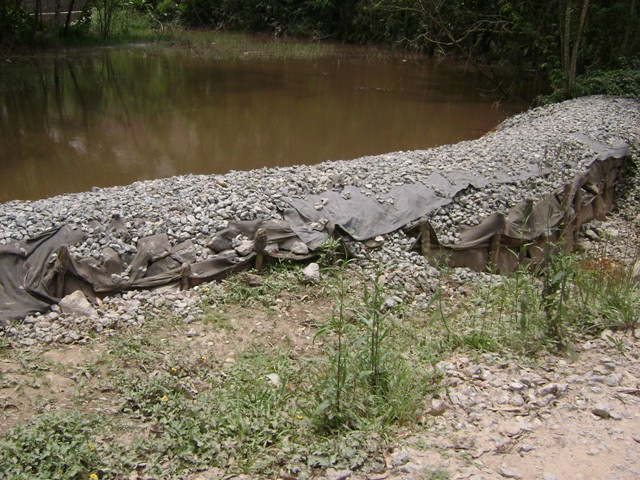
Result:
109,117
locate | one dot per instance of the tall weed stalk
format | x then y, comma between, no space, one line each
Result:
367,381
376,326
330,412
556,294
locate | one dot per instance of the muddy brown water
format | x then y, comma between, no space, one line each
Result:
113,116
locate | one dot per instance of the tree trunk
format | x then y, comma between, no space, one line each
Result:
576,46
38,14
630,21
56,19
565,42
68,20
3,18
571,49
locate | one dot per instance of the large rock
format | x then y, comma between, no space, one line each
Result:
220,243
299,248
508,472
311,273
438,407
244,248
77,304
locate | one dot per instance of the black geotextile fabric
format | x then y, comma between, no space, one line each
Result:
363,214
39,272
357,214
36,273
26,272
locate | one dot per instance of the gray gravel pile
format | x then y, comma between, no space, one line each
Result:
128,310
196,207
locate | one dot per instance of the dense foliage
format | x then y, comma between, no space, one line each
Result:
526,33
562,38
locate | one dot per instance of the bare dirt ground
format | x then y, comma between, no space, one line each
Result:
496,416
565,417
569,418
56,377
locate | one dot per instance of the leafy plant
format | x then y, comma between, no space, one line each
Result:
365,378
555,295
615,82
330,252
375,322
331,411
624,82
61,445
436,302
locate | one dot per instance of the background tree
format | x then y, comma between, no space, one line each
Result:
105,10
566,40
570,38
16,25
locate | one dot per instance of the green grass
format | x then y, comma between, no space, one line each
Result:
215,319
250,289
218,45
434,474
132,26
205,44
538,309
155,399
128,26
186,413
64,445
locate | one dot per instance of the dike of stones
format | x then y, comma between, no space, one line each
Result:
556,142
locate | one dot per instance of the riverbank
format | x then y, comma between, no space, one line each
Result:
527,157
235,377
216,45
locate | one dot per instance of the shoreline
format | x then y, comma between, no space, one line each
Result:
484,388
540,142
522,142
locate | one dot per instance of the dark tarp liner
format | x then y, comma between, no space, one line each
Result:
26,273
502,242
363,214
360,216
37,273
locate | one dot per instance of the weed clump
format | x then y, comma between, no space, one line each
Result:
364,378
540,308
58,445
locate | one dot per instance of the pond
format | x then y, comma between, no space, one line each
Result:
111,116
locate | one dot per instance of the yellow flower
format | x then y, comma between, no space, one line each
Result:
91,447
93,476
299,417
174,369
165,398
203,358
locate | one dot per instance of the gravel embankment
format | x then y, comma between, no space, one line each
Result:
196,207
